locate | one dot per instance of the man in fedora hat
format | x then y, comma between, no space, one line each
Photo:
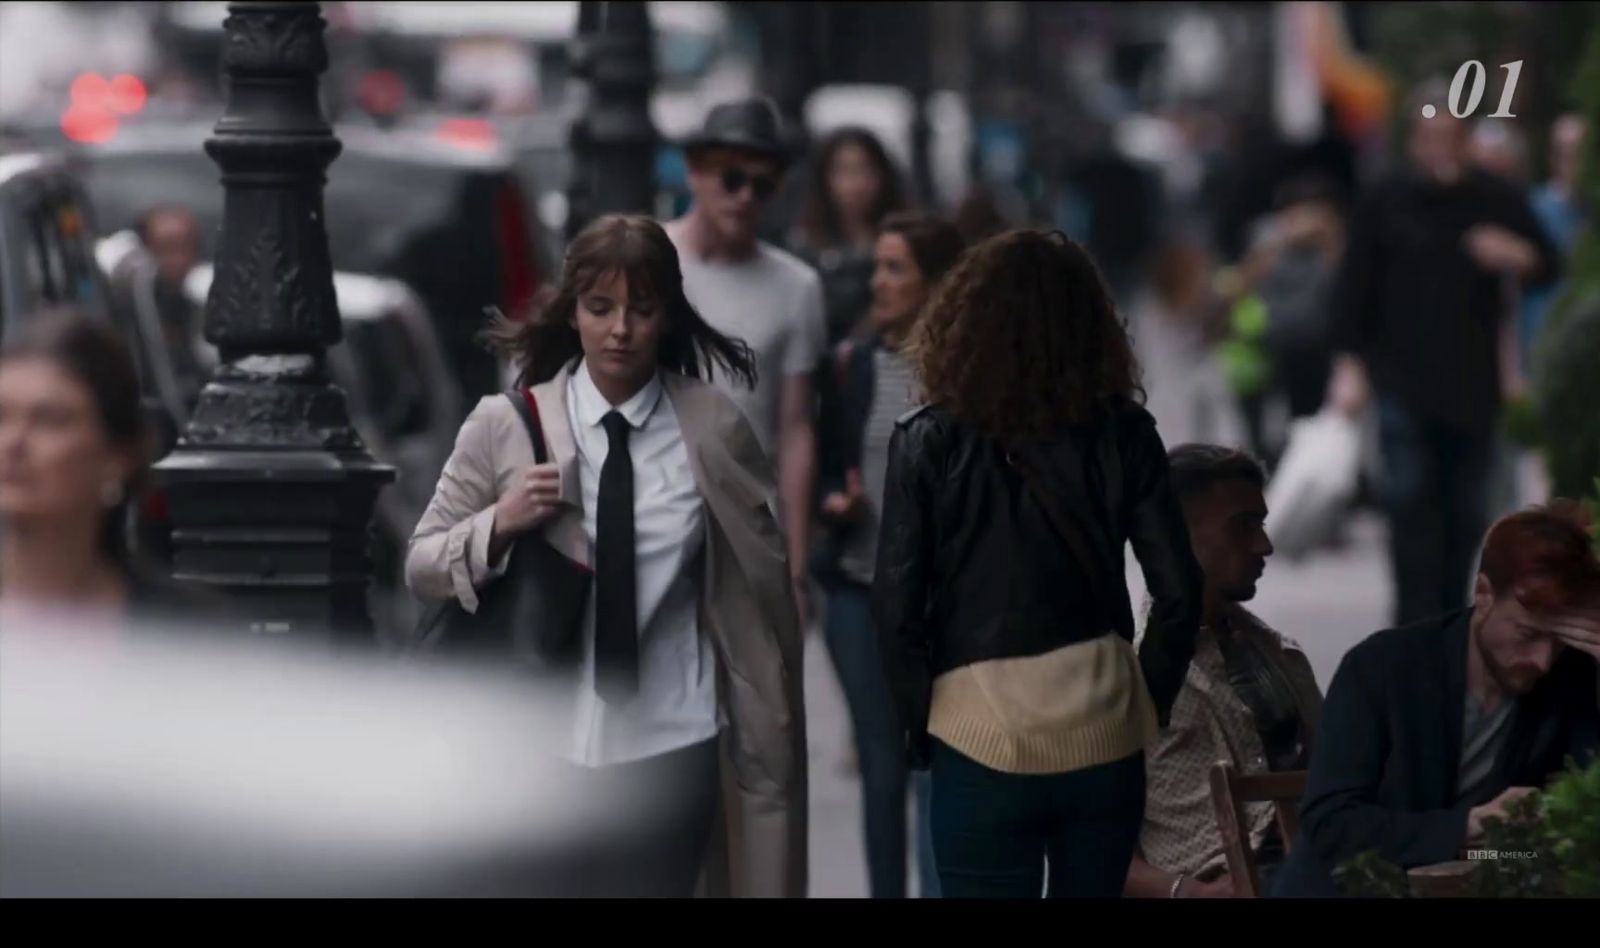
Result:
754,291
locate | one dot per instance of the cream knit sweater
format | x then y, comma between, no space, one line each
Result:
1069,709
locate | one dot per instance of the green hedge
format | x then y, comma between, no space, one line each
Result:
1566,357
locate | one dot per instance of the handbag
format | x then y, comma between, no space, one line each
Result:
1315,481
531,615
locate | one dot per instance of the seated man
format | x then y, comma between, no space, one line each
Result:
1432,729
1250,696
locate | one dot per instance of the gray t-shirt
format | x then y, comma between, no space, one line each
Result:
893,394
1483,734
773,302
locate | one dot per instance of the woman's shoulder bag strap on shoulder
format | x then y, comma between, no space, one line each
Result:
528,410
1021,459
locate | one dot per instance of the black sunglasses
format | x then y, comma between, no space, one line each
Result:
735,179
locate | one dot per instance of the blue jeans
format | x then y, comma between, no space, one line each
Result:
880,746
994,833
1436,493
927,874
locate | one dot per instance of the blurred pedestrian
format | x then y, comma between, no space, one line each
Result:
999,590
1499,148
978,216
875,386
1420,311
1289,273
1556,203
150,286
74,451
1115,204
854,186
1176,330
656,482
761,294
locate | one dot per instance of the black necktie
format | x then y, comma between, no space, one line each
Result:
616,610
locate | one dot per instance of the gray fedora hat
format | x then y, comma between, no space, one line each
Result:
749,125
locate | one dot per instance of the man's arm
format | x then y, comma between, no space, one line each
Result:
1178,800
1354,308
1147,882
1546,264
804,348
1340,813
1160,538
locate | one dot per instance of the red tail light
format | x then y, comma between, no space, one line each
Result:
519,277
155,507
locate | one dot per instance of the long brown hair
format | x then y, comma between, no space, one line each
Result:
93,353
1021,338
819,221
547,340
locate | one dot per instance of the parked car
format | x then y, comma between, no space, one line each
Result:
47,236
403,400
48,239
445,216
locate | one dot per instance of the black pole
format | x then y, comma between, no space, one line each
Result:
271,488
794,48
920,40
614,139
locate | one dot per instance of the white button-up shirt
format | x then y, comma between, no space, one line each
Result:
676,704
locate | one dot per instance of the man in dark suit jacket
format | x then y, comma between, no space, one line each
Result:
1430,730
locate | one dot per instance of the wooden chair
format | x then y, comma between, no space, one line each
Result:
1230,791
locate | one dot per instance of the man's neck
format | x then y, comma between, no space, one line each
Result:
704,242
1214,611
1481,683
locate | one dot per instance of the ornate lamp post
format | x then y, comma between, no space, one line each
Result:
614,140
271,489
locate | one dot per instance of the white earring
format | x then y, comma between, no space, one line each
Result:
110,494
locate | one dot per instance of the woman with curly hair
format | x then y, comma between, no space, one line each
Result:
999,591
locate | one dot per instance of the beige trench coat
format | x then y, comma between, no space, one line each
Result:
746,602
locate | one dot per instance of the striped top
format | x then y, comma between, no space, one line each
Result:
893,394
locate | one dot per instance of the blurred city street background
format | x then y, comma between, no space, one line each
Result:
1161,135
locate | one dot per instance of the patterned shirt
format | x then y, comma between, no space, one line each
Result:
1209,724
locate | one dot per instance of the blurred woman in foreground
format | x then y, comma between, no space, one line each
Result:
73,453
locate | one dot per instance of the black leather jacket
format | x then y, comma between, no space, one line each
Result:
970,567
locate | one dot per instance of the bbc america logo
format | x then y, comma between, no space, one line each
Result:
1477,855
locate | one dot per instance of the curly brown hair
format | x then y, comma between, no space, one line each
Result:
1021,338
546,339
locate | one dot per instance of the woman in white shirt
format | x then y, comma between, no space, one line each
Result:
656,481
